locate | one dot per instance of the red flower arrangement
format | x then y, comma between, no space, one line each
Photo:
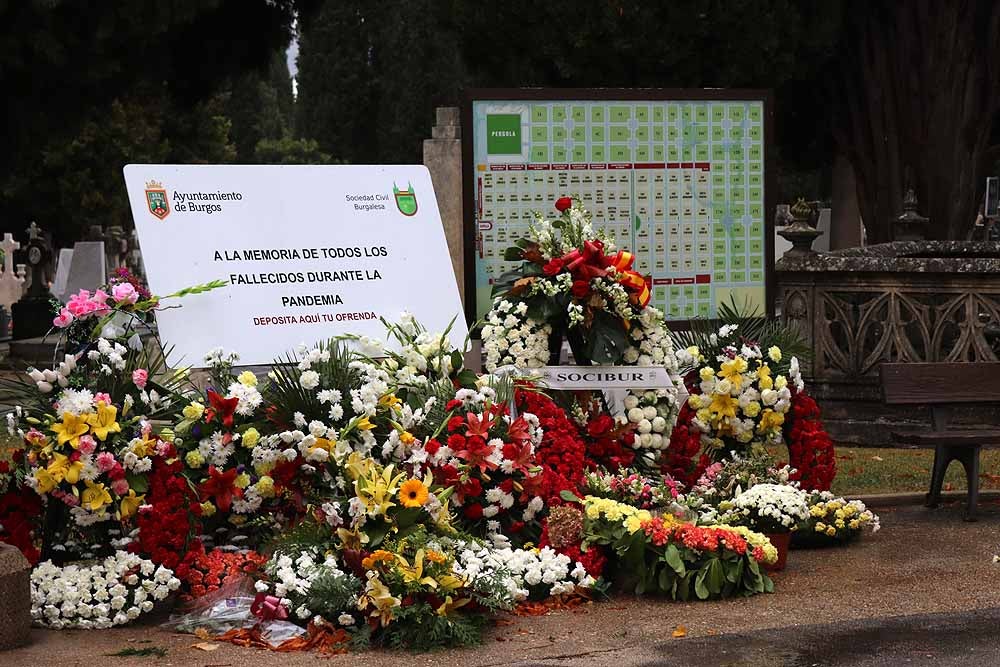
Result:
487,486
810,449
20,509
682,459
204,573
166,524
562,453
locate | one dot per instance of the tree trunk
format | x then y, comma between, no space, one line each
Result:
914,94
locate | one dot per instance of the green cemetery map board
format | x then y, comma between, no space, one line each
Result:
678,182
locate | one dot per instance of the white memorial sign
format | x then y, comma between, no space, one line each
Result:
309,252
602,377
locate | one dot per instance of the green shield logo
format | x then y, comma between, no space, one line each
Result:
406,200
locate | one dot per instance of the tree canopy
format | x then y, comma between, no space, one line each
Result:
908,91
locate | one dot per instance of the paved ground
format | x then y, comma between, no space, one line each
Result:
831,607
964,638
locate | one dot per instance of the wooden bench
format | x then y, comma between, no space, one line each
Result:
942,386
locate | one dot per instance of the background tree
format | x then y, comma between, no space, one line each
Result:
916,94
65,67
336,80
260,105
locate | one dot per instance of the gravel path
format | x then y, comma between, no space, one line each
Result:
923,561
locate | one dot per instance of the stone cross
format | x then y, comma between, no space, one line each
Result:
34,231
11,280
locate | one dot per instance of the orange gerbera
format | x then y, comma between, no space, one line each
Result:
413,493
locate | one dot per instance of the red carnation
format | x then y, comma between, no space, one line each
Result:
474,512
432,447
563,203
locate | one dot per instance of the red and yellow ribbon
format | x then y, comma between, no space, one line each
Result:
591,262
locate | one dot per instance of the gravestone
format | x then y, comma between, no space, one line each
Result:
11,281
15,594
62,273
88,270
33,314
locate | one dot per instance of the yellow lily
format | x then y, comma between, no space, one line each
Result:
450,582
449,606
44,481
377,489
352,539
377,595
61,469
130,503
722,406
415,574
733,370
70,430
769,420
145,446
390,401
104,421
95,496
364,424
358,466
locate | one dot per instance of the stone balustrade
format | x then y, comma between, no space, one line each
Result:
904,301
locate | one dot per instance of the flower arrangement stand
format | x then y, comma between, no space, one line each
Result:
942,386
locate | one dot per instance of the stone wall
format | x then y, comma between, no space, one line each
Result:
904,301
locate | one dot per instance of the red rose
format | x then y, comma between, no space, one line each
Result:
563,203
474,512
553,266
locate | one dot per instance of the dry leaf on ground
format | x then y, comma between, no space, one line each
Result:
205,646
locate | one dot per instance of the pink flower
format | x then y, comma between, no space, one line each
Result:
120,486
124,293
105,461
87,445
63,319
102,396
100,301
79,304
140,376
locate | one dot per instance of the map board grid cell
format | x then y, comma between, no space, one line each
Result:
680,180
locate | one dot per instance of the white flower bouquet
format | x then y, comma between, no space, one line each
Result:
769,508
114,591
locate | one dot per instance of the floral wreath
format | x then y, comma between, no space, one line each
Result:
573,284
